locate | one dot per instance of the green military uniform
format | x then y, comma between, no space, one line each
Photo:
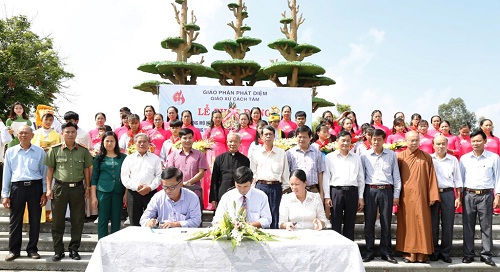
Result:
69,166
106,176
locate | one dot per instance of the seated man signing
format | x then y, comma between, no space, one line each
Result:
244,195
174,206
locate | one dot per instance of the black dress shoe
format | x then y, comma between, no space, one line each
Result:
58,257
488,261
389,258
433,258
11,257
34,255
446,259
73,254
467,259
367,259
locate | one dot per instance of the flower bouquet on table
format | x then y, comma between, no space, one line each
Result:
286,144
235,229
201,145
396,146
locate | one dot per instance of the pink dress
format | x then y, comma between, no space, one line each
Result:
287,126
120,131
147,125
94,136
465,145
382,127
432,131
394,138
157,137
196,132
218,136
492,144
454,144
247,138
426,143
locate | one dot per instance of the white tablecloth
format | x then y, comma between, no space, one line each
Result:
143,249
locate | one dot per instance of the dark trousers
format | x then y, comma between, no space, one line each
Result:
110,208
482,206
343,212
273,193
381,199
75,197
19,196
446,219
136,204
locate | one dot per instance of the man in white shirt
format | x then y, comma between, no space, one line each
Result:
140,174
271,174
449,179
244,195
343,186
480,171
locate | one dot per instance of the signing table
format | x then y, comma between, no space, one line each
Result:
145,249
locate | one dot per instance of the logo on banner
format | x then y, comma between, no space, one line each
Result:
178,98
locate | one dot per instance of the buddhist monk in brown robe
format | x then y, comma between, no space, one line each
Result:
419,191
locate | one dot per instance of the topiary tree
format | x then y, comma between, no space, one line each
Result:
181,71
297,72
238,70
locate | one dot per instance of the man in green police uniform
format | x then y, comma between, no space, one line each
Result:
69,163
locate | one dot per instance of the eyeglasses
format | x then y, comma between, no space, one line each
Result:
170,188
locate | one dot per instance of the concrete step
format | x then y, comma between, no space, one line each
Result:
379,265
360,219
456,248
359,232
89,241
45,263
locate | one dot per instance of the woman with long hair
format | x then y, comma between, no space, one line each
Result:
434,129
100,120
357,129
376,122
158,134
492,142
187,122
464,138
107,191
398,134
453,141
247,133
425,139
172,115
415,118
256,115
286,124
17,118
258,140
148,122
127,139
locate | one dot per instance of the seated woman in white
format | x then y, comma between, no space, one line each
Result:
301,209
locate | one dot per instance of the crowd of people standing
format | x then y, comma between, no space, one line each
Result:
340,168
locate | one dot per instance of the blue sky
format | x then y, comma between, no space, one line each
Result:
405,56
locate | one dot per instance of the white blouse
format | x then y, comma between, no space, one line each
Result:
292,210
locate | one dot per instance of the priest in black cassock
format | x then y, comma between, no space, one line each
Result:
224,166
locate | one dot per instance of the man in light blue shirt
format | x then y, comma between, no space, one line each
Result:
244,195
23,183
174,206
480,171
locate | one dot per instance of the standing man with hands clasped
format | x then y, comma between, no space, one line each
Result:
69,163
382,189
23,177
343,186
141,172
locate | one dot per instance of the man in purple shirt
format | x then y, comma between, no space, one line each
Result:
190,161
174,206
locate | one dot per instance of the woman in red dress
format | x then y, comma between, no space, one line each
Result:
172,115
256,115
158,134
286,124
453,141
187,122
247,134
377,123
148,123
415,119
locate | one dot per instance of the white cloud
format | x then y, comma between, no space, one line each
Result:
378,35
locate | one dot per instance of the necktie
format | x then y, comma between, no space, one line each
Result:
244,202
